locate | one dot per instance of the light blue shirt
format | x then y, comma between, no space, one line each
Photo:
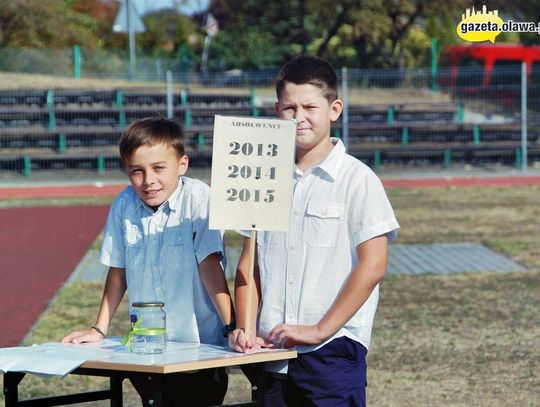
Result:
161,252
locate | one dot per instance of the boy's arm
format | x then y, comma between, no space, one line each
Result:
237,339
214,282
365,276
115,287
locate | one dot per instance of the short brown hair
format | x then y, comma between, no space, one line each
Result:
307,69
149,132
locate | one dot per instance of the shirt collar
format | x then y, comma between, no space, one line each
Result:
169,203
332,163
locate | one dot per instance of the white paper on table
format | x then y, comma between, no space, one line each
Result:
53,359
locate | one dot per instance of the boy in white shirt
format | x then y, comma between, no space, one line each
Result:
317,284
158,247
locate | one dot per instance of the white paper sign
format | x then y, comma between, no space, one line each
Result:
252,173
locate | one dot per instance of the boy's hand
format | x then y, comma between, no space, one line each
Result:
292,335
241,343
88,335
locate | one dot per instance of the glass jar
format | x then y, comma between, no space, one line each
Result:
148,328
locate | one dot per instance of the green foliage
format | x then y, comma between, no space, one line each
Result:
256,34
253,34
166,31
256,50
44,24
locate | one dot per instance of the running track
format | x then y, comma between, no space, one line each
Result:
91,190
41,246
39,249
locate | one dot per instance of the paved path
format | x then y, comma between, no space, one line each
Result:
447,258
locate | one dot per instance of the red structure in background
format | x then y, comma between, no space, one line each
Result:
491,57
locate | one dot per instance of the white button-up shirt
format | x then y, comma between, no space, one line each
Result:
337,205
161,252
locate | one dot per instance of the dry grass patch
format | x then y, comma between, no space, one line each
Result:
457,340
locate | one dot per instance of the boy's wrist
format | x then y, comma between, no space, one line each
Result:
227,329
99,331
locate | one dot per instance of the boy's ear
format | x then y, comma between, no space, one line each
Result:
336,107
183,165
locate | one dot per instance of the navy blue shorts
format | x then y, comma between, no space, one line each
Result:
334,375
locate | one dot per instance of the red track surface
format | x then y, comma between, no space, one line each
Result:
39,248
92,190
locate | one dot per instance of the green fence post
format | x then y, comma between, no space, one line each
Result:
390,113
62,143
252,102
405,136
434,63
27,166
183,98
77,61
50,108
518,160
121,113
101,164
476,134
337,133
376,159
201,142
184,63
447,163
460,113
188,119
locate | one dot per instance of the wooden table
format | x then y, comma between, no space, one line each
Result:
153,370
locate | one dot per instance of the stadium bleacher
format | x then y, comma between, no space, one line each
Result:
73,128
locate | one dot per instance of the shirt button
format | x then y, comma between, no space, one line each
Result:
296,212
291,248
291,282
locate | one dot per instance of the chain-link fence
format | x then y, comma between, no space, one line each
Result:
393,119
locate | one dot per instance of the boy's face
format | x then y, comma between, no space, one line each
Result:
314,114
154,172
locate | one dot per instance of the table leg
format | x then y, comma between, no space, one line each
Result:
117,399
11,387
152,389
257,386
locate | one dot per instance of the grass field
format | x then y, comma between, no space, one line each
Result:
457,340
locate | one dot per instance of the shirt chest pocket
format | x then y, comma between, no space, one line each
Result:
322,223
177,252
134,249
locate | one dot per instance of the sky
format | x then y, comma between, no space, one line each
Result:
185,6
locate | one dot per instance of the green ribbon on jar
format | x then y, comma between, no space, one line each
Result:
137,330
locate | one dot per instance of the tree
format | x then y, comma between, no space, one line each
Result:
45,24
381,33
255,34
166,31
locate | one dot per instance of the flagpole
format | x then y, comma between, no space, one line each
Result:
131,31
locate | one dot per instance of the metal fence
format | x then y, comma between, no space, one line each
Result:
393,120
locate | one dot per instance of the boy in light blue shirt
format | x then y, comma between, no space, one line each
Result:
158,247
